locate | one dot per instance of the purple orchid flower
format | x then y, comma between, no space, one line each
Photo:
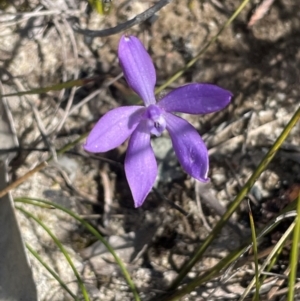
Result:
153,118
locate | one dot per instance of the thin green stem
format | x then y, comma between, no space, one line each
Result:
92,230
203,50
215,271
225,266
46,266
294,255
62,249
273,253
254,244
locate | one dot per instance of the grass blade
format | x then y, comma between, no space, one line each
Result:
57,87
62,249
92,230
225,266
46,266
273,253
254,244
203,50
294,255
237,201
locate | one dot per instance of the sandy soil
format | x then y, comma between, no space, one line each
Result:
259,64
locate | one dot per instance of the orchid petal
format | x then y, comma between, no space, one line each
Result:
113,129
196,99
138,68
188,146
140,164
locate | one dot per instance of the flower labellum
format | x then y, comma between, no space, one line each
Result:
139,122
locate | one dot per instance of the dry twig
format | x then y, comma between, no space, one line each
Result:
126,25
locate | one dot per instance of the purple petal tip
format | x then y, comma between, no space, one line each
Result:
138,68
196,98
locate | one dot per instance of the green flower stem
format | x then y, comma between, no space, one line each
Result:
237,201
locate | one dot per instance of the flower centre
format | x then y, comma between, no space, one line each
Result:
155,120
